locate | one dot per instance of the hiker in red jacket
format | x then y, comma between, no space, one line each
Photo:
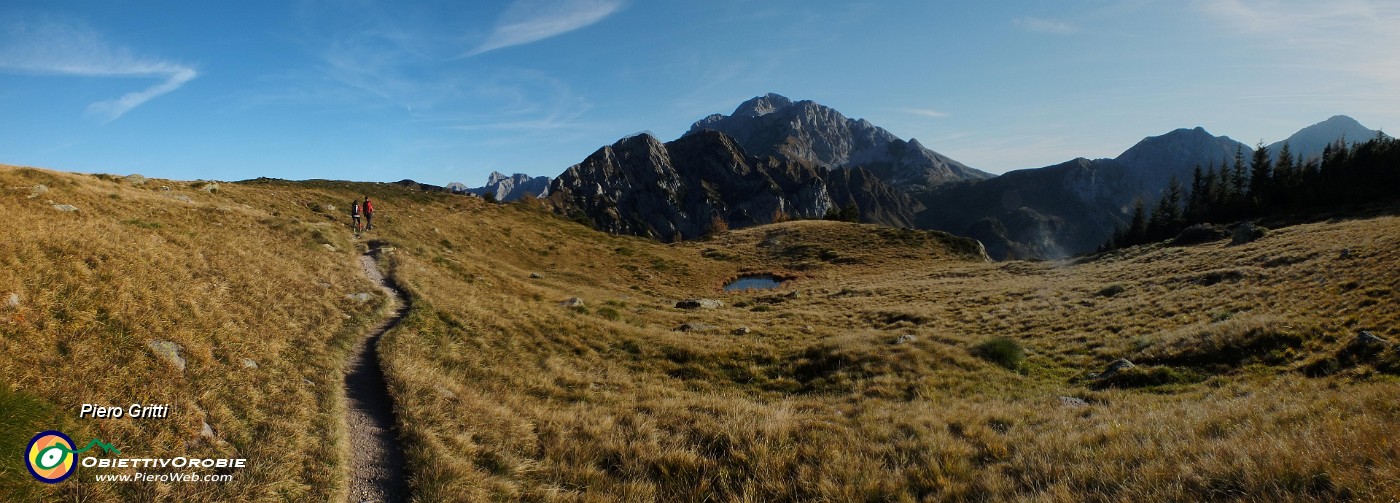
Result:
369,214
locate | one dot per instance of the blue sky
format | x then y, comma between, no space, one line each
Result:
450,91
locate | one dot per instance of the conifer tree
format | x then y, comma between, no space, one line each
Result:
1137,226
1238,179
1223,186
1166,218
1260,176
1196,201
1284,175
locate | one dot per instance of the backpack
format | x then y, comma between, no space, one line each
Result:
355,209
369,207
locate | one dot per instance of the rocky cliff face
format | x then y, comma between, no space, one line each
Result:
510,188
773,125
681,189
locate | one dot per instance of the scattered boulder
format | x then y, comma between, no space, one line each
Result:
328,246
905,339
807,329
741,331
696,327
207,432
165,188
535,275
1366,339
66,208
1247,233
168,351
135,179
38,190
699,304
572,302
1073,402
182,198
12,300
211,187
1115,367
1345,254
1200,233
361,297
248,363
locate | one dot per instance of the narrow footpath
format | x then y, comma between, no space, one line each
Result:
376,459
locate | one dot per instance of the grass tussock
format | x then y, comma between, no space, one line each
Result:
1003,351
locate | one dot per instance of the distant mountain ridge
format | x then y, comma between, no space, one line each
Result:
1310,141
1071,207
773,125
510,188
775,156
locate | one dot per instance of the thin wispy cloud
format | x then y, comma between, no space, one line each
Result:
54,48
1045,26
1350,42
924,112
526,101
527,21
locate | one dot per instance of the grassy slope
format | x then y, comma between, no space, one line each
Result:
504,393
237,273
509,395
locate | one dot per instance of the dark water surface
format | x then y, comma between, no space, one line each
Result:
762,282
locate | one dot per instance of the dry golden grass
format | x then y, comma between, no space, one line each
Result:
508,395
228,275
505,394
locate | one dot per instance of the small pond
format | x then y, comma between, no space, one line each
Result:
759,282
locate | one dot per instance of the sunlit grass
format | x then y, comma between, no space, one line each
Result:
860,378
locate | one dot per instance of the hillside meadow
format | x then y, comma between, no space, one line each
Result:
893,365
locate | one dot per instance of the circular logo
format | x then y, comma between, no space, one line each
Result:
50,457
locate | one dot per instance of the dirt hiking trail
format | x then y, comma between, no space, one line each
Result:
376,458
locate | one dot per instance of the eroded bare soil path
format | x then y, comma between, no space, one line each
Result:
376,458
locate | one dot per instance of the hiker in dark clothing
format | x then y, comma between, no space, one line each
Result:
369,214
355,215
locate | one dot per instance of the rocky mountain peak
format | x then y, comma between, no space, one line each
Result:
762,105
1181,149
773,125
678,190
508,188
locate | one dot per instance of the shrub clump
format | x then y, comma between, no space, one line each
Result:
1003,351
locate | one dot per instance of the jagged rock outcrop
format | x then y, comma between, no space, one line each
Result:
513,187
773,125
691,186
